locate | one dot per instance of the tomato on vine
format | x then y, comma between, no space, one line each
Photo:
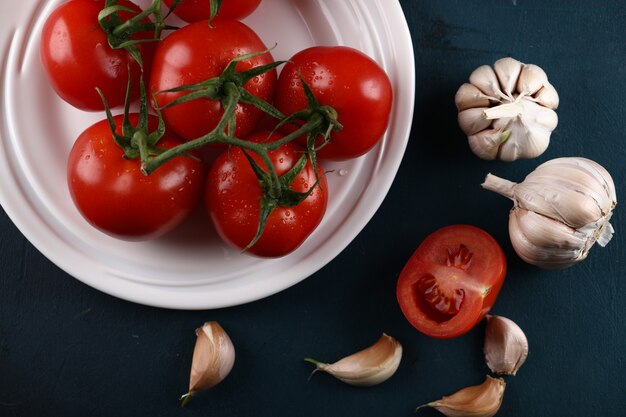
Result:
111,192
77,55
193,56
350,82
195,10
451,281
238,198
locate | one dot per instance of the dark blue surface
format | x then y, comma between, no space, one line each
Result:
68,350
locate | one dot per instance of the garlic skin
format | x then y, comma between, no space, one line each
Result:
482,400
506,345
213,359
559,211
368,367
507,112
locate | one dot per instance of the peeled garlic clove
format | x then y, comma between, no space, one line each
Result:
506,345
213,359
368,367
520,108
482,400
559,211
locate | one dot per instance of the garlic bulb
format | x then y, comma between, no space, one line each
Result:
370,366
482,400
506,346
213,359
507,112
559,211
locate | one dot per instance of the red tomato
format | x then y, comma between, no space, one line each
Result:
233,198
451,281
198,52
349,81
115,197
77,58
194,10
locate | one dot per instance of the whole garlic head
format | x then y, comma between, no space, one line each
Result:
560,210
507,112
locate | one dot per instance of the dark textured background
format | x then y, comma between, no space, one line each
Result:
68,350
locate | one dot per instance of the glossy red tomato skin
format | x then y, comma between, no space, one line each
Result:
77,58
198,52
349,81
233,197
115,197
195,10
480,279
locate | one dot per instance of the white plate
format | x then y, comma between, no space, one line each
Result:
189,269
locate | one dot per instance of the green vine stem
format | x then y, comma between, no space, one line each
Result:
120,33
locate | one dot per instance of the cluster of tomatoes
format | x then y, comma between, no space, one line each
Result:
211,83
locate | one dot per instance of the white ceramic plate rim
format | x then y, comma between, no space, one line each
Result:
31,206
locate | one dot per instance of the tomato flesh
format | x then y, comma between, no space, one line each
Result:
451,281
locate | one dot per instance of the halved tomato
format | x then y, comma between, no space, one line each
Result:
451,281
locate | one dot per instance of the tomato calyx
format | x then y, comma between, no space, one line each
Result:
136,141
281,196
319,122
218,88
120,33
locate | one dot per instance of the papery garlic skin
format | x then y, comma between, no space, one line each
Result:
213,358
560,210
482,400
507,112
368,367
506,345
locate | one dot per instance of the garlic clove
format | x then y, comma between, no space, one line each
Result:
531,79
544,242
482,400
368,367
213,359
472,120
506,345
469,96
486,143
508,70
547,96
485,78
578,198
